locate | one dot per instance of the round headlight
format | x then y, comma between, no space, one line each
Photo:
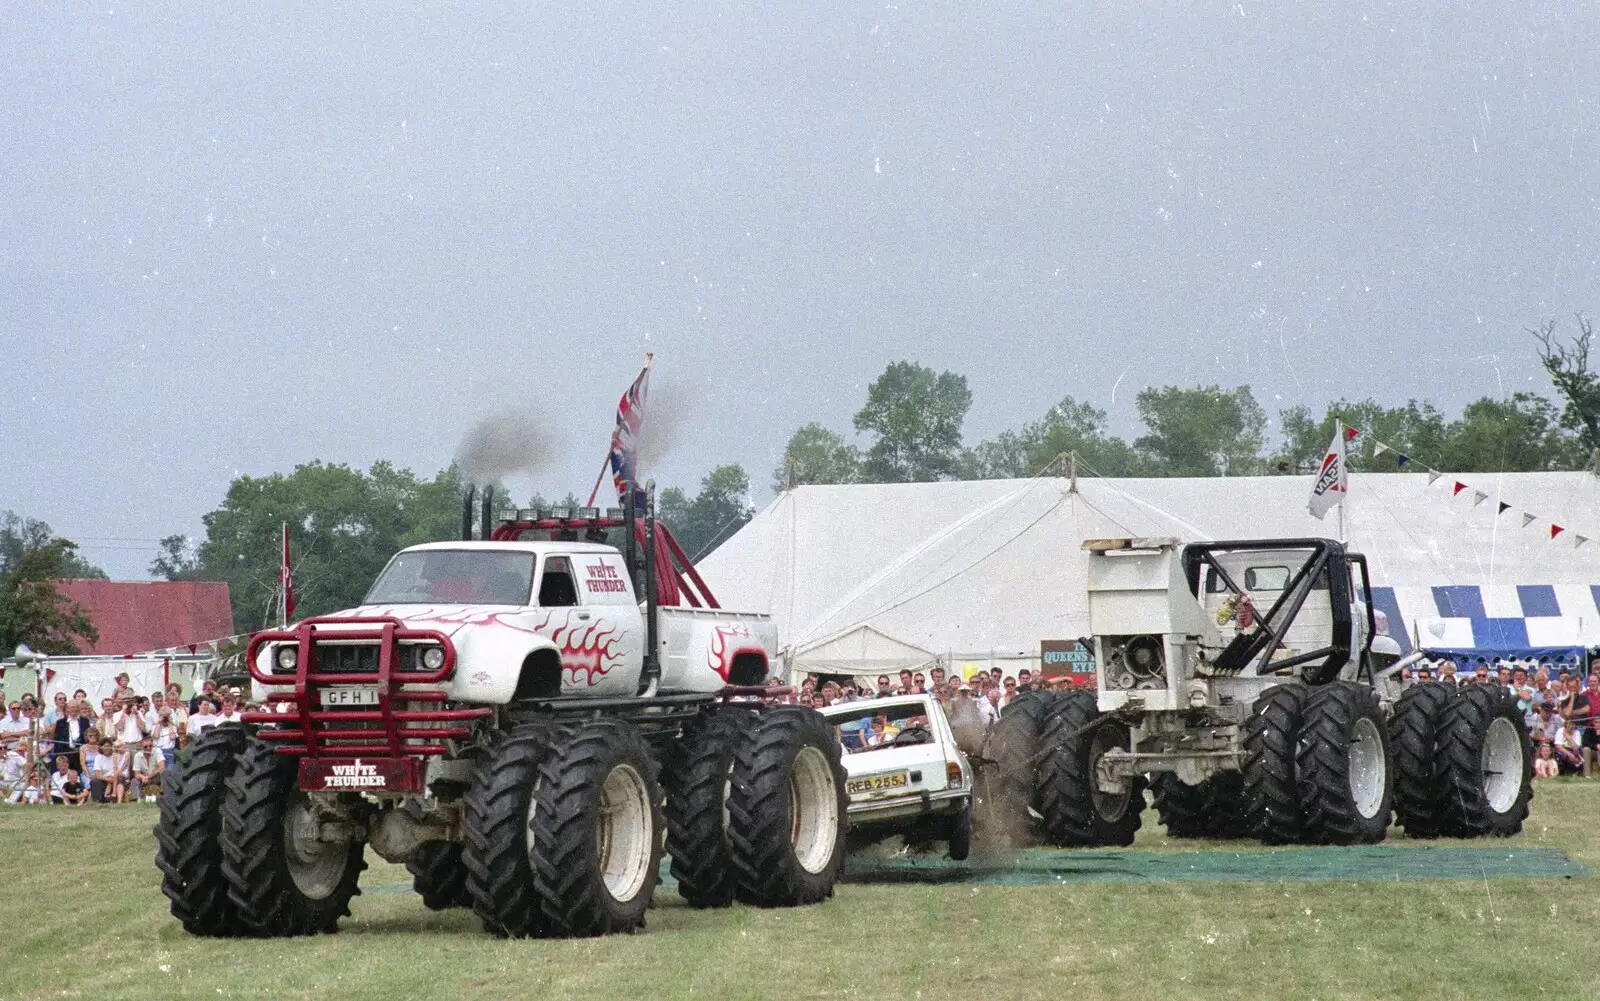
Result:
433,658
287,657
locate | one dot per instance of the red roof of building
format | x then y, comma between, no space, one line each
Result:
136,617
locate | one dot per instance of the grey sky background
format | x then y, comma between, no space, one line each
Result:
234,241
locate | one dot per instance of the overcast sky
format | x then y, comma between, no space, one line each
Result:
235,242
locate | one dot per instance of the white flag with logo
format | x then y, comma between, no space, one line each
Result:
1332,480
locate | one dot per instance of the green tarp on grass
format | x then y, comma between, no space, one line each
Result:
1366,863
1042,867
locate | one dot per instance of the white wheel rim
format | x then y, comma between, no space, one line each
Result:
813,810
1368,768
315,866
626,833
1502,764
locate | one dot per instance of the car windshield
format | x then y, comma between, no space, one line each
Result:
873,728
455,576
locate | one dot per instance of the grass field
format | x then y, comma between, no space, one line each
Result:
86,920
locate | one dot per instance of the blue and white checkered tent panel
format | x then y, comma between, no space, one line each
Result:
1505,620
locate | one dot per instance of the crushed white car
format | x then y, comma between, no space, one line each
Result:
904,773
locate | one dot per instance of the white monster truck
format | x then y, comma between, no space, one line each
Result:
1236,679
905,774
506,717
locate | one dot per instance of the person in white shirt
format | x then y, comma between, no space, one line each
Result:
103,784
230,711
177,708
164,737
14,722
203,717
1569,748
988,711
65,788
12,769
148,764
122,770
130,725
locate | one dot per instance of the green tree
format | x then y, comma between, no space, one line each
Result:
816,454
18,535
1568,367
32,609
1067,427
1204,431
1416,429
178,560
1515,435
343,527
721,508
916,415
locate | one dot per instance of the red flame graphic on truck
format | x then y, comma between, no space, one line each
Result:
586,648
723,652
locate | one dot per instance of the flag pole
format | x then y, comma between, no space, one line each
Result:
601,477
1344,457
283,583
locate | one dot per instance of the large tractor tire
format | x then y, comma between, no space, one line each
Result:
1213,809
500,877
594,830
1486,763
1419,789
697,785
438,875
1342,766
1076,811
1271,794
189,833
786,810
283,879
1015,748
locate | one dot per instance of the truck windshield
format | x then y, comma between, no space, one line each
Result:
455,576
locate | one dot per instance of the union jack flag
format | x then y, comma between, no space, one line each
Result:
625,439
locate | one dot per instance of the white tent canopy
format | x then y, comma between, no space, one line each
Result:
862,649
981,571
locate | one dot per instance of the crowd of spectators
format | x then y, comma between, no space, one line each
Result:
73,752
1561,706
989,691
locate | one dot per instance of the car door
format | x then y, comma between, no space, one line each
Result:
603,644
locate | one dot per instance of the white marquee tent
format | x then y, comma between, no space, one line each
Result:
864,579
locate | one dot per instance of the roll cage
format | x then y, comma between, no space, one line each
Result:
1328,561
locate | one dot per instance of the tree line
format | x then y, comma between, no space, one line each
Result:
344,523
913,416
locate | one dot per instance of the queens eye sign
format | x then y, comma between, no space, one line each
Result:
1069,657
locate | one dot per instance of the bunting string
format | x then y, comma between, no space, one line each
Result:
1458,487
